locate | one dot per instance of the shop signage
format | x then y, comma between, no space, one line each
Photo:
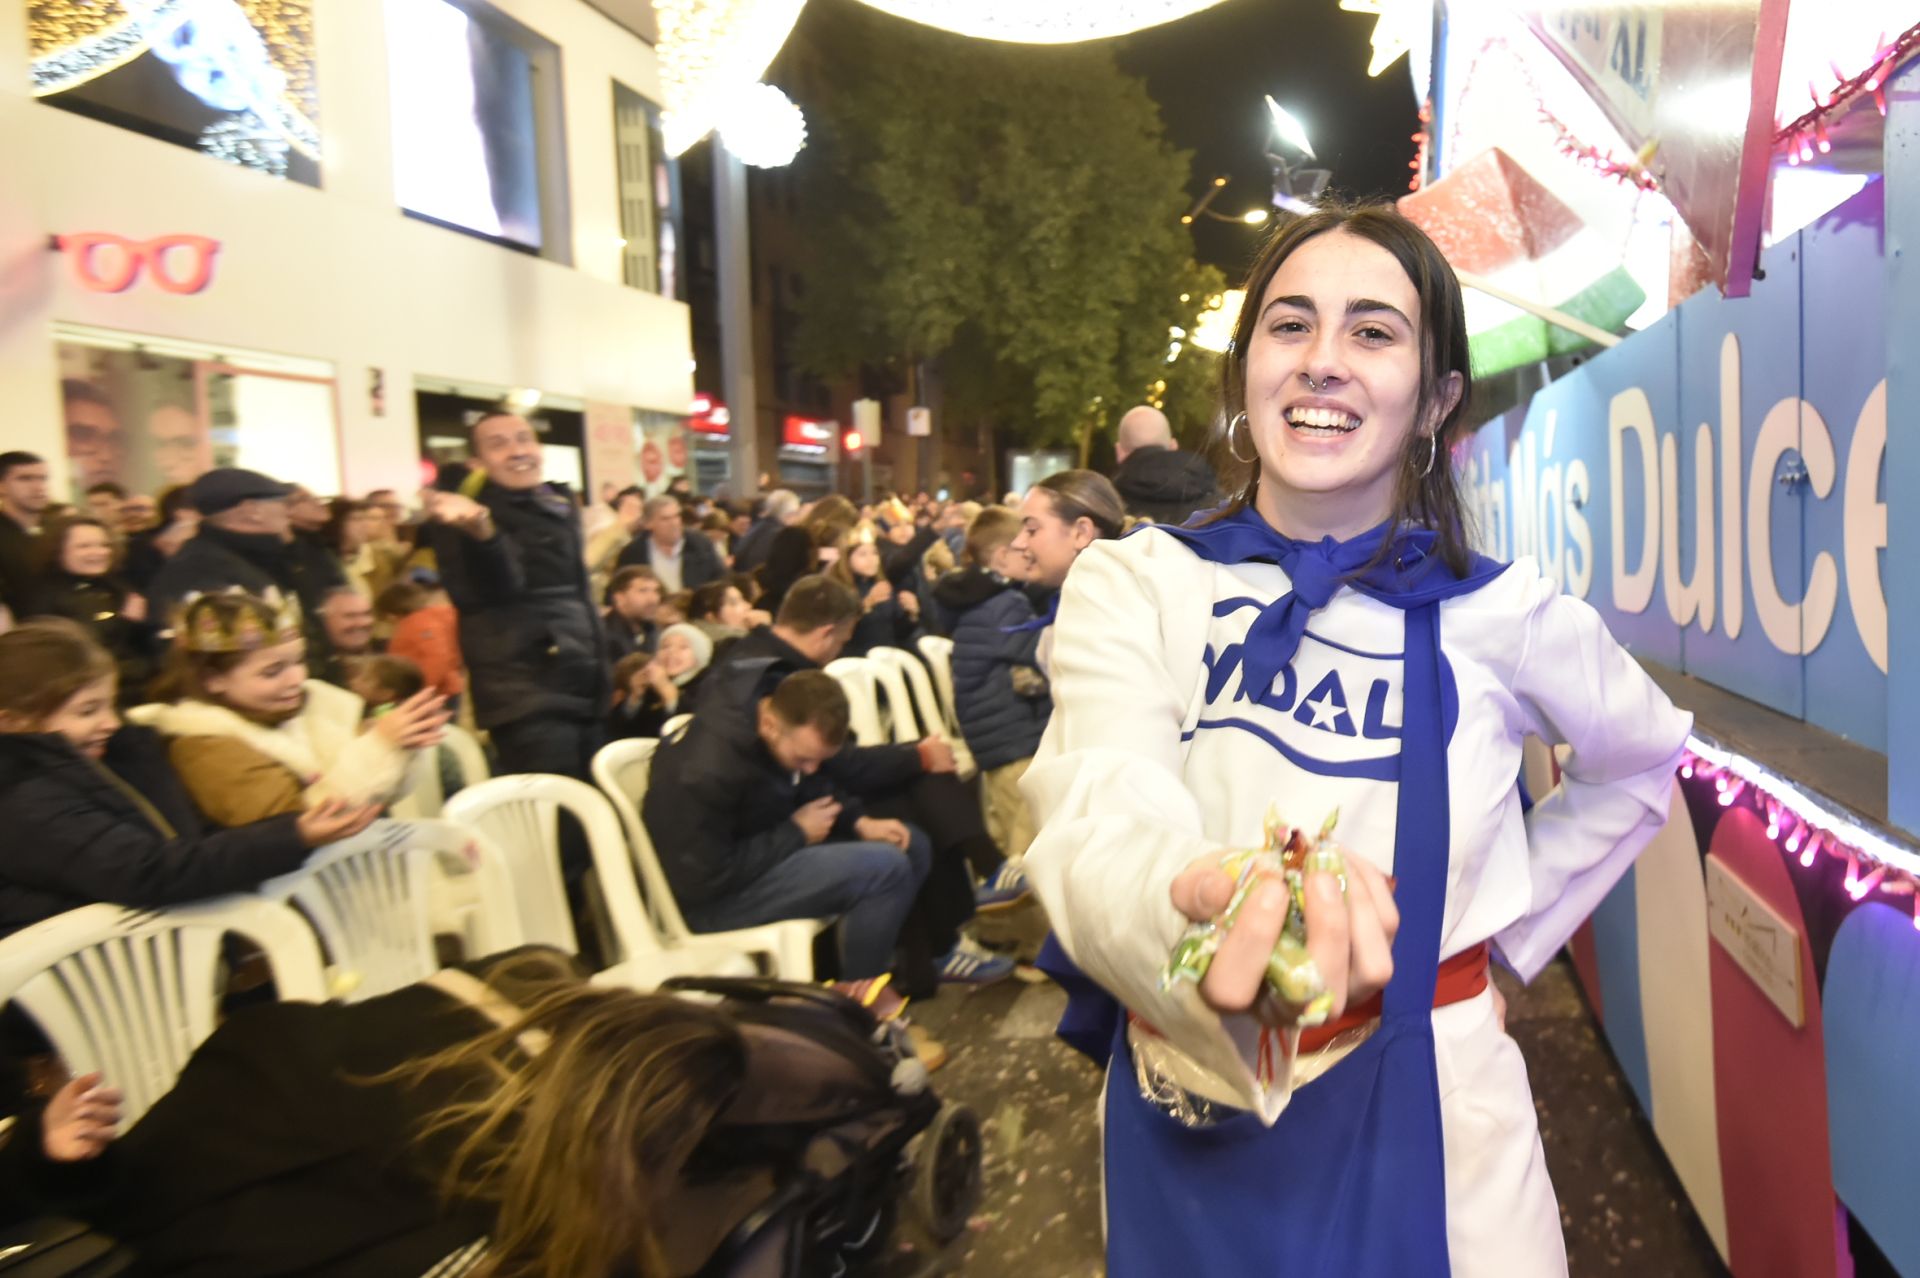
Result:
1713,485
1764,945
107,263
708,416
805,435
920,421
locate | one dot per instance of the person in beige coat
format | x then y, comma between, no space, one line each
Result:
252,737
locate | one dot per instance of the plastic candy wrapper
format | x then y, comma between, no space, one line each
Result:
1289,854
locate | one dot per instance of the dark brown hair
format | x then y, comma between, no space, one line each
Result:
399,677
401,599
709,599
1089,495
626,576
1432,501
53,541
813,698
816,601
44,663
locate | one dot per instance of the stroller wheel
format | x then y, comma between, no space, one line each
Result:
946,1173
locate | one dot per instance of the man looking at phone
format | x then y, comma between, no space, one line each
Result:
754,823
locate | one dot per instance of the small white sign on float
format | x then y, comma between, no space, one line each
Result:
1764,945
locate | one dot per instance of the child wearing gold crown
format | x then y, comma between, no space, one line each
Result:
252,736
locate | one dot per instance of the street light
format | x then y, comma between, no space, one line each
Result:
1294,189
1252,217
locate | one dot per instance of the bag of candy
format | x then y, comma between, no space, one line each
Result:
1290,855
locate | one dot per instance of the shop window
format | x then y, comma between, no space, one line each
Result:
152,413
478,143
650,227
233,81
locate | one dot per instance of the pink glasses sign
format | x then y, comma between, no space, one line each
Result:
107,263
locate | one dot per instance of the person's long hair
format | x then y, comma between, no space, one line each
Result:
1089,495
576,1148
1429,500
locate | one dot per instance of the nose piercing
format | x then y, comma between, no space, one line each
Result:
1313,385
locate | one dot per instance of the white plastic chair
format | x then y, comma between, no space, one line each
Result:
926,705
672,728
938,650
370,898
859,679
520,816
466,751
132,993
621,769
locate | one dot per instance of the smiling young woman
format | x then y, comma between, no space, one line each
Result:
1330,644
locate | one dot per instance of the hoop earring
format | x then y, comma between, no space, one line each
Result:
1433,452
1240,419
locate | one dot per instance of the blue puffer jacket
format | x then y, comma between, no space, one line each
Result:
1000,725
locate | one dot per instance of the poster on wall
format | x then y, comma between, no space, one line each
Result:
231,78
150,421
610,449
663,450
132,418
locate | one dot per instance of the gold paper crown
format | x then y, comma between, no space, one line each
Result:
259,621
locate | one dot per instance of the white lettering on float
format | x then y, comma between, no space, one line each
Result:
1543,516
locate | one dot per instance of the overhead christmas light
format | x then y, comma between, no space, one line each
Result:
1254,217
1288,130
709,51
762,127
1042,21
1396,27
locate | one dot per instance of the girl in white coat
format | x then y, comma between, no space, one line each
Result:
1331,643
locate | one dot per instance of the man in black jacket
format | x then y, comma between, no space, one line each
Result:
23,499
778,509
814,623
679,561
509,549
244,541
758,819
1156,479
633,604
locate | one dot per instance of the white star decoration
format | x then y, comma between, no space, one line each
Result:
1394,27
1325,712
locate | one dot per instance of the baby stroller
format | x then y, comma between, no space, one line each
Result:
839,1124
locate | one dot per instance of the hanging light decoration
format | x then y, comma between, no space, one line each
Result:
762,127
1042,21
711,50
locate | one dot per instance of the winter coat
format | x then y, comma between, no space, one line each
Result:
97,604
120,830
700,560
19,555
529,629
901,563
885,625
1166,485
719,808
430,638
216,560
752,550
790,556
999,724
239,771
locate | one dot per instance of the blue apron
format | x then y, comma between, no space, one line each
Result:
1351,1181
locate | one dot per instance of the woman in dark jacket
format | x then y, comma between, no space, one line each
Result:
79,581
93,811
505,1110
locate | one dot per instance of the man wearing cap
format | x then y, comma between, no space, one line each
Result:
244,541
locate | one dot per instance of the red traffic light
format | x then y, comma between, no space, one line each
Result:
850,442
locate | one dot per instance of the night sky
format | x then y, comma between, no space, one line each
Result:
1209,72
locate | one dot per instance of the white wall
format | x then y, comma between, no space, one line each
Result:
336,273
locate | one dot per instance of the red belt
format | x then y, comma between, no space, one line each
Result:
1461,977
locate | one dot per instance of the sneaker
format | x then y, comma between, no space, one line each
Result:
1006,889
967,964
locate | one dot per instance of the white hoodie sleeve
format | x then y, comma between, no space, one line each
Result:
1577,687
1116,821
357,763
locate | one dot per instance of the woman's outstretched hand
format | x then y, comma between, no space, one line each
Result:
80,1120
1350,938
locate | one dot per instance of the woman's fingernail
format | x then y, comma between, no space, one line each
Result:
1272,896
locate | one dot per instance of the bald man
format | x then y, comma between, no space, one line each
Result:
1156,479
